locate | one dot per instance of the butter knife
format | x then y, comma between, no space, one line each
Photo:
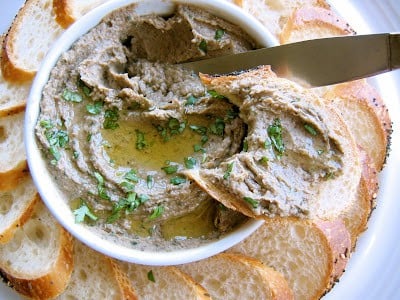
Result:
319,62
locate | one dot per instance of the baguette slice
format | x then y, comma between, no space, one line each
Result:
236,276
38,261
273,14
308,22
262,88
13,165
31,34
366,116
12,96
68,11
153,282
310,255
356,218
16,207
96,276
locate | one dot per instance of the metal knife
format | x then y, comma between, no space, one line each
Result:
319,62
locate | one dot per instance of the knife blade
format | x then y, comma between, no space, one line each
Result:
319,62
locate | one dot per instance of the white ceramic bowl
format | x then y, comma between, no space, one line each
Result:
56,200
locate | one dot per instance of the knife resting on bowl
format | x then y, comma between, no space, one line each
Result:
319,62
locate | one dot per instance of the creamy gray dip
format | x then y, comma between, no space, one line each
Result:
119,125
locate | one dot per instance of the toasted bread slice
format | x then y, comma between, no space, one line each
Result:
153,282
274,14
305,252
38,262
68,11
12,96
236,276
31,34
260,92
366,116
16,207
96,276
356,218
13,165
310,22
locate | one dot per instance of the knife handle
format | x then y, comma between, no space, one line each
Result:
394,46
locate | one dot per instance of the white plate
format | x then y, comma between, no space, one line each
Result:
373,271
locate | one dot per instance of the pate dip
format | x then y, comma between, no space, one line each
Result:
120,124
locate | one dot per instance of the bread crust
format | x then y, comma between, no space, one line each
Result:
63,13
49,285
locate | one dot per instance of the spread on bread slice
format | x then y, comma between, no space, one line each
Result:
297,157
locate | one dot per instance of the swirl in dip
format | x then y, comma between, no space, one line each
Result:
120,124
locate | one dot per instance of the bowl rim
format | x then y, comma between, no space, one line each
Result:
52,197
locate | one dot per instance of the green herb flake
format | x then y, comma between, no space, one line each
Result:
157,212
140,140
150,181
198,148
320,152
131,175
111,117
251,201
84,88
275,134
264,160
170,169
175,126
245,146
202,130
177,180
150,276
82,212
191,100
311,130
95,108
89,137
215,94
228,171
190,162
46,124
203,46
219,33
75,154
127,186
218,127
71,96
101,190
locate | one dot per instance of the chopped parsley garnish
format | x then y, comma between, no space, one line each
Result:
129,204
175,126
228,171
215,94
191,100
320,151
150,181
89,137
84,88
95,108
177,180
218,127
101,190
275,134
140,140
202,130
245,146
199,148
219,33
170,169
251,201
264,160
131,176
71,96
111,117
75,154
157,212
82,212
311,130
150,276
57,138
190,162
203,46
